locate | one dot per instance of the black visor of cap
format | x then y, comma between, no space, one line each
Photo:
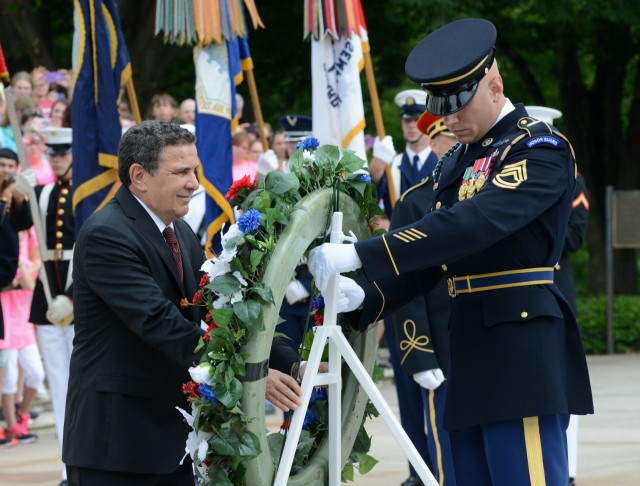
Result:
58,149
442,104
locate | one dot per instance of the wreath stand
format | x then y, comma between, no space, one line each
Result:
339,347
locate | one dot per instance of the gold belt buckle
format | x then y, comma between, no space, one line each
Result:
451,287
57,254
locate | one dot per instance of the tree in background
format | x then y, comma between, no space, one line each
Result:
580,57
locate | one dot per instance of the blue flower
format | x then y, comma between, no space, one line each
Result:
309,418
318,393
366,178
318,302
249,221
207,393
309,143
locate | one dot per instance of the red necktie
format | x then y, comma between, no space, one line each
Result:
174,246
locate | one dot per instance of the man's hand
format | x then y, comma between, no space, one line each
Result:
350,295
25,181
283,390
330,258
60,311
430,379
267,162
384,150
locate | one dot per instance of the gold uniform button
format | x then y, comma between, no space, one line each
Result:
58,246
59,234
438,205
60,222
444,267
64,192
60,211
524,314
62,200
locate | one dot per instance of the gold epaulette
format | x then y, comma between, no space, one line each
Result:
419,184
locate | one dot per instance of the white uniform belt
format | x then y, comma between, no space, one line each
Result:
58,255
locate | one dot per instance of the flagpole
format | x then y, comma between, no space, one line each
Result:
32,199
377,116
133,100
257,111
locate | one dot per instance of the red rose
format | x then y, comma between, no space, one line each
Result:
211,327
318,319
287,423
208,319
197,297
184,302
242,183
204,280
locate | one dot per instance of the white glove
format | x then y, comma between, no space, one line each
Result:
350,295
295,292
430,379
330,258
60,311
267,162
383,149
25,181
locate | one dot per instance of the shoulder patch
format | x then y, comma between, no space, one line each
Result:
419,184
544,140
533,127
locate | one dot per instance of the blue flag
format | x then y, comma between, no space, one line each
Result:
218,71
101,66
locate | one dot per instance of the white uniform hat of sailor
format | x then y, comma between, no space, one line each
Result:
543,113
58,139
412,103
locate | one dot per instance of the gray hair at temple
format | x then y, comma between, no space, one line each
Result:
143,143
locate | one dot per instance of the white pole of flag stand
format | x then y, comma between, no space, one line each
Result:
340,348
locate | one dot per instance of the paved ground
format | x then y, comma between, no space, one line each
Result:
608,454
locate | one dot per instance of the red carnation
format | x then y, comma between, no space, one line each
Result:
197,297
191,389
242,183
204,280
319,319
208,319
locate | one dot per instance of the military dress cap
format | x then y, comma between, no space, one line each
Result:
411,103
432,125
543,113
58,139
296,127
450,62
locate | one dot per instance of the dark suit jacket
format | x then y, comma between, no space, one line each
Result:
133,343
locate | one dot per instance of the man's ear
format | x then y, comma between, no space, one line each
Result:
138,177
496,87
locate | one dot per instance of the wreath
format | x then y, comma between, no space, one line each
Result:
283,217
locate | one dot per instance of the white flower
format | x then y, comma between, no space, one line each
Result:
221,301
236,297
308,156
194,443
215,267
238,275
201,373
232,232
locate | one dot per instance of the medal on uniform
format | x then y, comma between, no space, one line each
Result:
481,170
467,184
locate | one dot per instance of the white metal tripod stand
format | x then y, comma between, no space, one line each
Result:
339,347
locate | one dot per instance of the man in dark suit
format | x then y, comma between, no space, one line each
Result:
502,200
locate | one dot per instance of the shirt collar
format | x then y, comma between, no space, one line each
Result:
159,223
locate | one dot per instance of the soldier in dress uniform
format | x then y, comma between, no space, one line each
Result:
502,199
54,320
420,331
296,128
416,161
576,234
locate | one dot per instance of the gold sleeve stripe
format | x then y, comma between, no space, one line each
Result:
512,175
533,445
416,232
393,262
404,237
383,303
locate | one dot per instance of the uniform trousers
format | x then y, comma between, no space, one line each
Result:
409,402
438,439
520,452
572,445
27,358
56,344
83,476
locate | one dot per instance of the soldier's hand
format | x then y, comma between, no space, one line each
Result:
350,295
283,390
383,149
330,258
25,181
60,311
430,379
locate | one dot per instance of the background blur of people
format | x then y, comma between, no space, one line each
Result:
21,84
57,112
164,107
242,166
188,111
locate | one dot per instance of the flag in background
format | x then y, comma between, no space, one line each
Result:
101,66
339,37
4,72
218,71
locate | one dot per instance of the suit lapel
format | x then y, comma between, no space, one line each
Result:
148,229
190,284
